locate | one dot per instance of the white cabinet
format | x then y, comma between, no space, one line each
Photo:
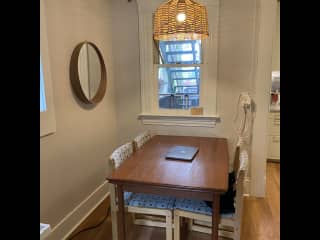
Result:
274,147
274,124
274,136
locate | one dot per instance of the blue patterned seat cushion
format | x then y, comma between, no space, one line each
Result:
126,197
196,206
151,201
192,205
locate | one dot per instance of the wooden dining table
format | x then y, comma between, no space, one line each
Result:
148,171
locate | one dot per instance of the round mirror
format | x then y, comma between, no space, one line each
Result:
88,73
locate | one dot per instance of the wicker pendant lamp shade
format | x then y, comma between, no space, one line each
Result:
180,20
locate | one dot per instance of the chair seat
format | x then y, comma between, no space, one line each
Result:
126,197
196,206
227,215
151,201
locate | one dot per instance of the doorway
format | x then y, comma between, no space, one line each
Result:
274,104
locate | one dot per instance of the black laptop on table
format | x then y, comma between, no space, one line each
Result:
185,153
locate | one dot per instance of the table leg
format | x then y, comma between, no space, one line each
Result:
114,211
215,216
121,216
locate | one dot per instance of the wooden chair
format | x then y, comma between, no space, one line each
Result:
199,213
138,203
118,156
141,139
156,211
161,219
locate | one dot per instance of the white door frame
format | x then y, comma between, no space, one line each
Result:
266,11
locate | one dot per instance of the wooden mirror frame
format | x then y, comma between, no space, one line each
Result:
75,80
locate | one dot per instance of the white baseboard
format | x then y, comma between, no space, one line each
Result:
70,222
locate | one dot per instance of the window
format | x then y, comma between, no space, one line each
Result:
178,75
179,87
43,104
47,114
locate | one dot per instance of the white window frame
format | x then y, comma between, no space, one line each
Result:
151,113
47,118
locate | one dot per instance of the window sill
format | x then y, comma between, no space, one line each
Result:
179,120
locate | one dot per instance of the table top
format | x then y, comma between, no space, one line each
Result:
148,165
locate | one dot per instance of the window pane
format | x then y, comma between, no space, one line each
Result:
179,87
180,52
43,105
173,46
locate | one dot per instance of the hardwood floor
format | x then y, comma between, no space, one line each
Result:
261,218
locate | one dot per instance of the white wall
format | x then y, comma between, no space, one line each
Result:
236,61
73,161
276,43
125,40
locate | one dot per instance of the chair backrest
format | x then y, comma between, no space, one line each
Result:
240,176
141,139
120,154
236,161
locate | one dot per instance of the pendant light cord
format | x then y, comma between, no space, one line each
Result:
92,227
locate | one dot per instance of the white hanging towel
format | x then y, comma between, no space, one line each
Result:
244,119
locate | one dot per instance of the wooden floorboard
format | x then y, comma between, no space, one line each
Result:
261,218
